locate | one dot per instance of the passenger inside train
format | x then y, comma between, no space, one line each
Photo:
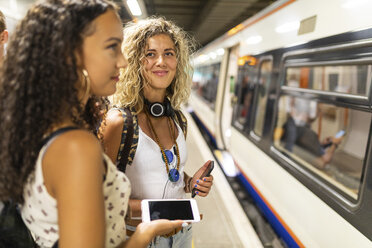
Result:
63,57
149,94
297,131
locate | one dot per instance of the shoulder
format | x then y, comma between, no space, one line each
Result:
74,143
71,157
114,118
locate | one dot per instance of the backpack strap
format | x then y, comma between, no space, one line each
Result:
129,139
182,121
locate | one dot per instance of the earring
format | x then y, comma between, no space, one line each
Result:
87,83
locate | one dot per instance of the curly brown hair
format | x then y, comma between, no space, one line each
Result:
38,84
2,22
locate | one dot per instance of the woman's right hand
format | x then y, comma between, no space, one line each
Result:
161,227
145,232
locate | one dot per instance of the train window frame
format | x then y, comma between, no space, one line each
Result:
348,184
293,59
325,95
211,104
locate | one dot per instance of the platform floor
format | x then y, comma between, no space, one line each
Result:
224,222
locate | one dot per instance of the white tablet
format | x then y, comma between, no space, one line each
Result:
171,209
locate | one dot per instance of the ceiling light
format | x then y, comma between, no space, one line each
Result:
220,51
288,27
202,58
253,40
134,7
353,4
212,55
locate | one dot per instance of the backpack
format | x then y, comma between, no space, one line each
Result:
13,231
129,136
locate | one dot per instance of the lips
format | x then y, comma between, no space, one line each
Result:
160,73
115,78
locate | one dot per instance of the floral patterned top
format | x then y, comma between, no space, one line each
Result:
39,211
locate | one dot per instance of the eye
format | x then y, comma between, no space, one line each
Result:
113,47
150,54
169,54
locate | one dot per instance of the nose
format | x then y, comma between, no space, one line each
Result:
160,61
122,61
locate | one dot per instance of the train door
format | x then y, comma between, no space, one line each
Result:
227,97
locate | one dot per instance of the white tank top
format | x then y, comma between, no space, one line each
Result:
39,211
148,173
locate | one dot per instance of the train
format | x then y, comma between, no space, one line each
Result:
287,94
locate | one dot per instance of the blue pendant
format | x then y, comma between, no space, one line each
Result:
169,155
173,175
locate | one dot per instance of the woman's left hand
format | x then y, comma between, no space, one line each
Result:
202,185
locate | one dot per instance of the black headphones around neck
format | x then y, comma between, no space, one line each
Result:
158,109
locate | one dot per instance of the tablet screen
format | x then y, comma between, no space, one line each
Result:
171,210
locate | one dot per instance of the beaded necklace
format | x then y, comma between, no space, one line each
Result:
173,174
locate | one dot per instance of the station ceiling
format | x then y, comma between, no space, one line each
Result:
204,19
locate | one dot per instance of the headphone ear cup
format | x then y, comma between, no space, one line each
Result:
157,109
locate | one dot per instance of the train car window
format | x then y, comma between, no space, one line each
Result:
262,93
205,83
244,91
326,139
348,79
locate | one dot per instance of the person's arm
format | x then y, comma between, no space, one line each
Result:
145,232
329,152
327,156
135,206
73,173
111,130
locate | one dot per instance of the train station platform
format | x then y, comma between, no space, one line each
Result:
224,222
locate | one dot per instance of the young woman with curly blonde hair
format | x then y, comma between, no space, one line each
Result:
153,86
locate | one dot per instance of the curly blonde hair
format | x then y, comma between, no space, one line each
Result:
129,92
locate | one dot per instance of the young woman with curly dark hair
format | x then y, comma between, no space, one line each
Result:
64,56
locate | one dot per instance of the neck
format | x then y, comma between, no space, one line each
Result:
58,125
85,100
154,95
